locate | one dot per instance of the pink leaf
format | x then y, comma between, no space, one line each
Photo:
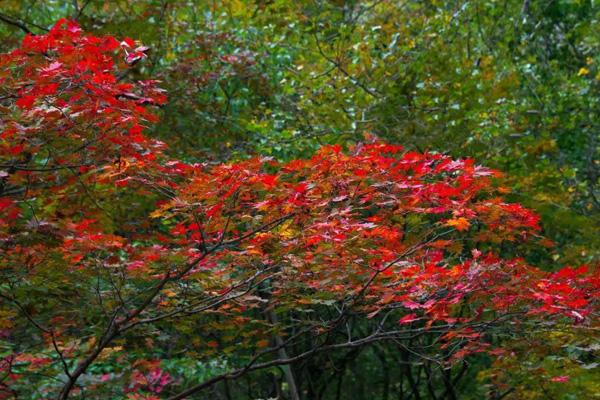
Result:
561,378
408,318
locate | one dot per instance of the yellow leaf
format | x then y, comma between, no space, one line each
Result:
108,351
583,71
461,223
286,230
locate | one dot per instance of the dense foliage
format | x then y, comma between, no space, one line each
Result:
277,199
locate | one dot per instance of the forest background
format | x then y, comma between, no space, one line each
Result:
513,84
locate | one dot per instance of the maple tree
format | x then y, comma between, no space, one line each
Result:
108,244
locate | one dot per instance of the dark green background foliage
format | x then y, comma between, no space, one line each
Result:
513,84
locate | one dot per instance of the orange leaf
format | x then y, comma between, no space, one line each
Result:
461,223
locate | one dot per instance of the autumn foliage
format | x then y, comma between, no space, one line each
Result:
107,244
